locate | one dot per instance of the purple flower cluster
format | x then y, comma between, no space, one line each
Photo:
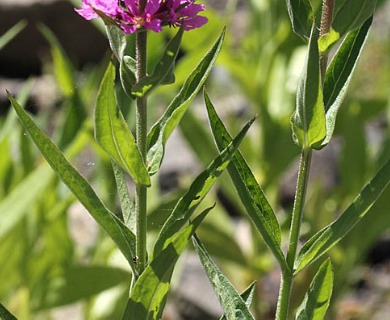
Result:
129,16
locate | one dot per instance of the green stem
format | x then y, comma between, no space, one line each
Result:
141,135
287,274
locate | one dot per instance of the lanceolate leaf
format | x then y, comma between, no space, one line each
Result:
308,121
350,15
121,235
232,303
247,296
127,204
117,40
198,190
332,234
317,299
339,74
127,70
149,295
301,16
5,314
112,133
251,194
161,131
163,70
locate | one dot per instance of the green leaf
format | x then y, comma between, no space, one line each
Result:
163,72
247,296
350,15
317,299
308,121
339,74
251,194
5,314
82,282
127,71
12,33
63,70
327,40
161,131
232,303
117,40
197,191
112,133
121,235
301,16
149,295
326,238
127,205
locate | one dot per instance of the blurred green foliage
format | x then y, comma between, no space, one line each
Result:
257,73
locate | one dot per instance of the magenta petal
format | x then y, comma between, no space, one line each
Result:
128,29
195,22
154,25
191,10
108,7
133,6
152,6
86,12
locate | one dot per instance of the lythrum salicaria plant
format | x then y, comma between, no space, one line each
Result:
140,156
320,92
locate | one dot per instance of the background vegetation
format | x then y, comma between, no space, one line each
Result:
52,254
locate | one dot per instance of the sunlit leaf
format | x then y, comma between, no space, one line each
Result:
327,40
113,134
232,303
149,295
332,234
121,235
317,299
161,131
197,191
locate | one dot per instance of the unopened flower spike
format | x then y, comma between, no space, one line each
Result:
127,15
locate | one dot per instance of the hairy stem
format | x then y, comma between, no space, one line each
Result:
141,135
326,26
287,274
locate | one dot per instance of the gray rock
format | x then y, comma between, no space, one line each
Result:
22,57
